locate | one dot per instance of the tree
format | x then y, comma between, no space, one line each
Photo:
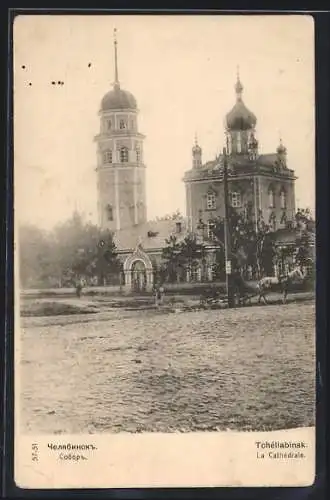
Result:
174,216
73,250
181,257
192,254
251,245
305,239
35,254
170,256
85,251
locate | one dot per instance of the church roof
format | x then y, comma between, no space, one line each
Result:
118,99
288,236
267,159
240,164
151,236
240,117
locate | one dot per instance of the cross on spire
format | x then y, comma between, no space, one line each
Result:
196,140
116,84
238,86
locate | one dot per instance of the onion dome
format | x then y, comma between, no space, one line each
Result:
117,98
240,117
196,148
281,149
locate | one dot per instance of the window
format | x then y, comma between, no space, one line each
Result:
122,124
210,201
236,201
210,230
178,227
123,155
283,199
271,198
239,142
107,156
194,273
138,154
109,211
109,124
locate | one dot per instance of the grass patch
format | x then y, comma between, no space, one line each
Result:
38,309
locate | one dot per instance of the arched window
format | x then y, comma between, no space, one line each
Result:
239,142
283,199
210,230
123,155
271,198
210,201
109,212
122,124
107,156
236,199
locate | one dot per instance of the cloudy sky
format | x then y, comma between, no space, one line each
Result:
182,71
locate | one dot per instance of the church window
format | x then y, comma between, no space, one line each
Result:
271,198
239,142
122,124
123,155
178,227
210,201
236,200
107,156
109,211
138,154
210,230
283,199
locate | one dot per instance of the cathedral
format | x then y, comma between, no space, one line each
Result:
262,183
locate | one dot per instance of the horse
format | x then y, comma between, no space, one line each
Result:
281,284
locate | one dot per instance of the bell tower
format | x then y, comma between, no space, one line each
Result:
121,185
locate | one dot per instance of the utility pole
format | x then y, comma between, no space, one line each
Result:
229,284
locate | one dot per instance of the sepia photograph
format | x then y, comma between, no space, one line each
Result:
164,171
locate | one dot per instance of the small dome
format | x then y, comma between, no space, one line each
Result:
253,141
118,99
196,149
240,117
281,149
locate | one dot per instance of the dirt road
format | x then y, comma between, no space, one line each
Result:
248,369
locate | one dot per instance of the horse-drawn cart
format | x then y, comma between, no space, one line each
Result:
215,297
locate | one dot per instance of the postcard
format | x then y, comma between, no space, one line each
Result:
164,173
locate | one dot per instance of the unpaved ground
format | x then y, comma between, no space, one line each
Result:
249,368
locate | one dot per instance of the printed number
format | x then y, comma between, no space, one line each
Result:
35,452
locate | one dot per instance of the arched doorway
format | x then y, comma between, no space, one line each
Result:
138,276
138,271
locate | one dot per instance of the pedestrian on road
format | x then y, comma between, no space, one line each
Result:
78,289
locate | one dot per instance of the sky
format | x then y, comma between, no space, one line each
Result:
182,71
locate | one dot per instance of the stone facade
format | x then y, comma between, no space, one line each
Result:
261,183
121,182
264,183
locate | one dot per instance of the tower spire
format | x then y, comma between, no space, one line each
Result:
116,84
238,86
